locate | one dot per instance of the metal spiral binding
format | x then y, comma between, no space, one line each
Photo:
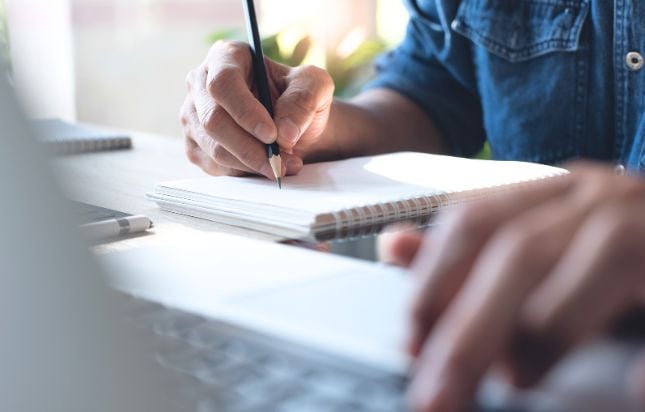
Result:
367,220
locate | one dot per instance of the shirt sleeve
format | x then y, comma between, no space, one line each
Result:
435,73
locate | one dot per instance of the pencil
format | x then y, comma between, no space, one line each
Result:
262,83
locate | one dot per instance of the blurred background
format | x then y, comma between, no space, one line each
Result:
122,63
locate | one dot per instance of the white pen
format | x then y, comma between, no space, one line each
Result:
113,228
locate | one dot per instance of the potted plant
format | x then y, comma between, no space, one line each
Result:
350,69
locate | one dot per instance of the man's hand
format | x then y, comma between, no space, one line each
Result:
226,127
517,280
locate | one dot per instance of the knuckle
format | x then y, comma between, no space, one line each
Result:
320,76
220,47
311,71
192,155
190,79
221,81
213,119
228,47
591,186
183,118
219,154
208,145
184,114
304,99
239,51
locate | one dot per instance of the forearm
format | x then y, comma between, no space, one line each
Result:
377,121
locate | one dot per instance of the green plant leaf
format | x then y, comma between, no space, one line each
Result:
486,153
365,53
272,50
231,34
349,73
300,52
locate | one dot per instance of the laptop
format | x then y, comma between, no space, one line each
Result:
64,347
212,323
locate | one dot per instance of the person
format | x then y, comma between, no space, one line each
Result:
513,282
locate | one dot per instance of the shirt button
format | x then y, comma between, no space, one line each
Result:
634,61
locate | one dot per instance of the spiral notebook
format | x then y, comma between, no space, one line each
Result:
64,138
347,198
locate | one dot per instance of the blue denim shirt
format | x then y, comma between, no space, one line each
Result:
540,80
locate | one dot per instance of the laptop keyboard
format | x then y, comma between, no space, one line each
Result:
225,369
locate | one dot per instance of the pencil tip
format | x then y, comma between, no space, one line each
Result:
279,183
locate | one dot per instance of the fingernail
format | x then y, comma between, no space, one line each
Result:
288,131
265,133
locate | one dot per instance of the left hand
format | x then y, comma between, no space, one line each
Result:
517,280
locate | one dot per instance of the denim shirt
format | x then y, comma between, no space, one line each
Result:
540,80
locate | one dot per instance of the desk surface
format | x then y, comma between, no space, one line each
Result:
119,180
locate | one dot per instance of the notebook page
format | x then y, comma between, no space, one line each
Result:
331,186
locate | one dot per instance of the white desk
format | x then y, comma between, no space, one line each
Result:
119,180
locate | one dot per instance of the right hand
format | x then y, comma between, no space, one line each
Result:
226,127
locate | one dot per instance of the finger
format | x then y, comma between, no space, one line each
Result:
219,131
292,164
457,243
399,245
194,154
604,263
227,80
225,137
216,152
309,92
197,156
477,326
227,163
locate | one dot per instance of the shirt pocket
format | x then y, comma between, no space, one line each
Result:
531,64
519,30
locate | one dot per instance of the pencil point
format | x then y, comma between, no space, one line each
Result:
276,165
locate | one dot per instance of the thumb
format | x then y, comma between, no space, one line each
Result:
309,91
399,244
